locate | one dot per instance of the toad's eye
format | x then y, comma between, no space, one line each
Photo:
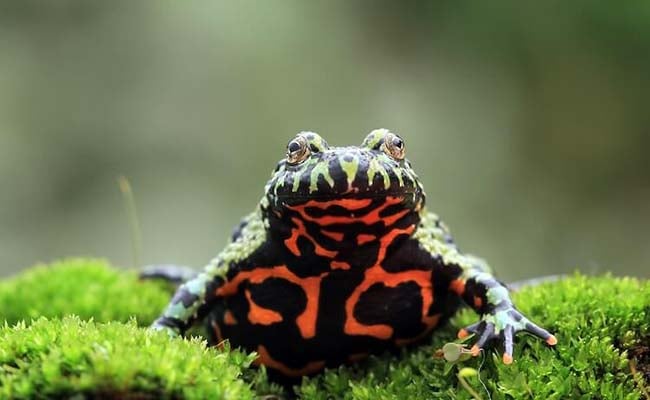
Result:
297,150
394,146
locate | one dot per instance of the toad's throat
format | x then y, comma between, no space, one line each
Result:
336,227
346,211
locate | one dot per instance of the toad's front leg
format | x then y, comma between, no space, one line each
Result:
192,300
499,317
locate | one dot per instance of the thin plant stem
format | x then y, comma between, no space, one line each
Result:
132,216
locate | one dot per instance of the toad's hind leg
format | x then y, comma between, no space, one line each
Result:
175,274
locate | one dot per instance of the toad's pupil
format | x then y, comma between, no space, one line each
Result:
397,142
294,146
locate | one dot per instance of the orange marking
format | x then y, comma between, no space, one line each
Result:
363,238
507,359
301,230
457,286
338,236
376,274
368,219
340,265
388,221
266,359
478,302
229,318
292,242
462,334
350,204
306,321
260,315
475,350
552,341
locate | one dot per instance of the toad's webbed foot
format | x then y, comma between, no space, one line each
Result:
502,324
500,320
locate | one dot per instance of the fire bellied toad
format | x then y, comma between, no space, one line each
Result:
341,259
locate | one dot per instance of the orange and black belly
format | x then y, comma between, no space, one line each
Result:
333,286
300,325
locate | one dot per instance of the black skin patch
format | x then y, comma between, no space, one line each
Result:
476,289
290,303
308,263
336,288
377,183
406,256
341,184
400,307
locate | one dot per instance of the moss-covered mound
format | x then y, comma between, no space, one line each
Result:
70,357
83,287
602,324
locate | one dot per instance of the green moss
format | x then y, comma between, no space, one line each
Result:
594,319
64,358
87,288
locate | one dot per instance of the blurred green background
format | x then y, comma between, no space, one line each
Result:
528,122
